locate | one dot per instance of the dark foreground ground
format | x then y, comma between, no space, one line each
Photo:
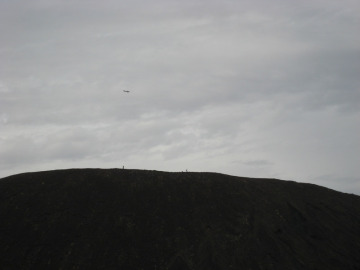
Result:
132,219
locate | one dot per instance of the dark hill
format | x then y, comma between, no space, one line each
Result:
132,219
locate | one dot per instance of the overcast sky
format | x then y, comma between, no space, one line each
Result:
248,88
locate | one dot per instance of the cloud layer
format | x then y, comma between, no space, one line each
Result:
249,88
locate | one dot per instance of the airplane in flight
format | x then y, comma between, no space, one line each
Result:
126,91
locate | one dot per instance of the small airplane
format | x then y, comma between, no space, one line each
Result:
126,91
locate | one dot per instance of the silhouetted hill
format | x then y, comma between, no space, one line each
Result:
133,219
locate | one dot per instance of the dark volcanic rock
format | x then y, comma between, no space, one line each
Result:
132,219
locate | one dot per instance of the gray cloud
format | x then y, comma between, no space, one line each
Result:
252,88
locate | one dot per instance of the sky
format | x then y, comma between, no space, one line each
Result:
251,88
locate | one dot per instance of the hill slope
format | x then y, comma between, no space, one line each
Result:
132,219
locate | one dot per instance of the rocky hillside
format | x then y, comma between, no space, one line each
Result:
134,219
